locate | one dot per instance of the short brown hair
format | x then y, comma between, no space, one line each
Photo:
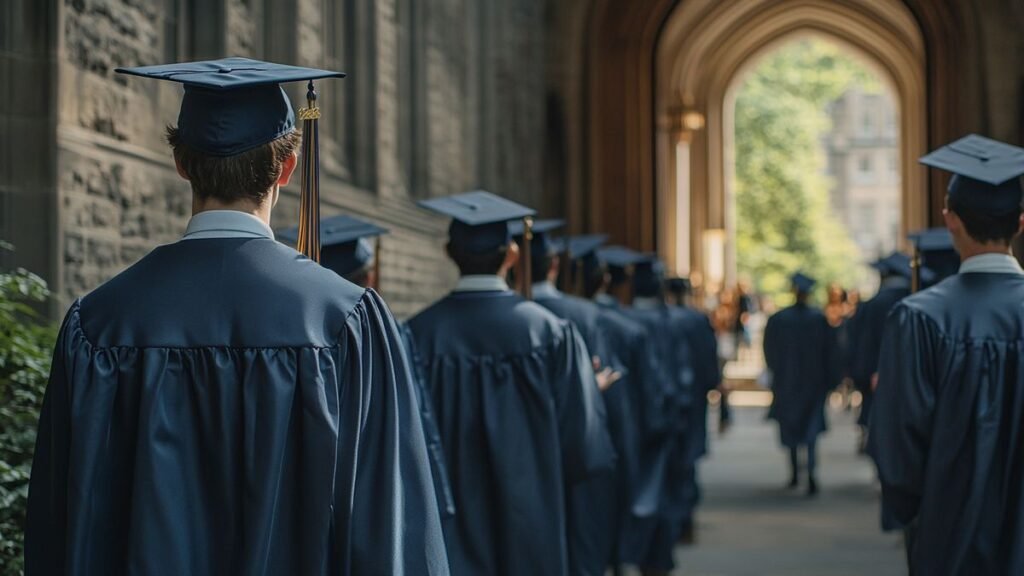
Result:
245,176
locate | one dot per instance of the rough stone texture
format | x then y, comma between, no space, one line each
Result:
95,188
119,195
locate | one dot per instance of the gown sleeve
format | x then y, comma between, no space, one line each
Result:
435,450
583,429
901,423
46,523
392,525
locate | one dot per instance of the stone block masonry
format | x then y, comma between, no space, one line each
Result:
475,121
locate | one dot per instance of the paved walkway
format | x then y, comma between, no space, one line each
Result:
749,525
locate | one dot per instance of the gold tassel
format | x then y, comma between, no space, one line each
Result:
309,203
915,272
527,257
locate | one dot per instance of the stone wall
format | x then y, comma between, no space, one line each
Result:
479,123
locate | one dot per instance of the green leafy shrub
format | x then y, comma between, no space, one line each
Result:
26,344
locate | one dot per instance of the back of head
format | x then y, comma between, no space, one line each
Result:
648,279
244,177
986,224
476,263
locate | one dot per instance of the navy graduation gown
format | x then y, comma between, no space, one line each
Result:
866,341
226,406
435,449
593,505
676,373
707,373
707,377
947,431
644,449
521,420
801,351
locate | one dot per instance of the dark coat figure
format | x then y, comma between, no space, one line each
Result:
522,421
866,339
948,426
435,448
707,377
801,351
674,399
593,508
643,459
282,438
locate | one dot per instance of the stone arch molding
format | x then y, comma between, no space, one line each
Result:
706,45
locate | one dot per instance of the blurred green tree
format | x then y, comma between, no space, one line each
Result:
26,345
784,221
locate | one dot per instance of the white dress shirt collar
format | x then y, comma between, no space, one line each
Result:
991,264
545,290
647,303
226,224
481,283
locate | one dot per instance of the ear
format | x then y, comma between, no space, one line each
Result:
180,169
287,169
952,221
511,258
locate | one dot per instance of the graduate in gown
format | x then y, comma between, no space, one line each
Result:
677,375
707,377
596,506
226,405
641,440
866,333
948,425
801,351
346,250
516,400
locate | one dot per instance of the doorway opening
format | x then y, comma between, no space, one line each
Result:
813,184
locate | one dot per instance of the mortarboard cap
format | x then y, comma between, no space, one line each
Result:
620,256
895,264
617,259
579,246
932,240
899,264
480,220
344,248
802,282
986,173
232,105
542,244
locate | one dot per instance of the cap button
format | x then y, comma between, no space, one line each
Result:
223,70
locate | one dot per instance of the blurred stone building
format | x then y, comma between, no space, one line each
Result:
612,113
862,149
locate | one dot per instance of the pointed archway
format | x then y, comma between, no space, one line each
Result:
697,63
633,70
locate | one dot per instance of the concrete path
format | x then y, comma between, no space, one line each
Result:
749,525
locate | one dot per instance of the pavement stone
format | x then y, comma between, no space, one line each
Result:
750,525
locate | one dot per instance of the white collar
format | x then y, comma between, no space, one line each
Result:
226,224
647,303
545,290
991,264
481,283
